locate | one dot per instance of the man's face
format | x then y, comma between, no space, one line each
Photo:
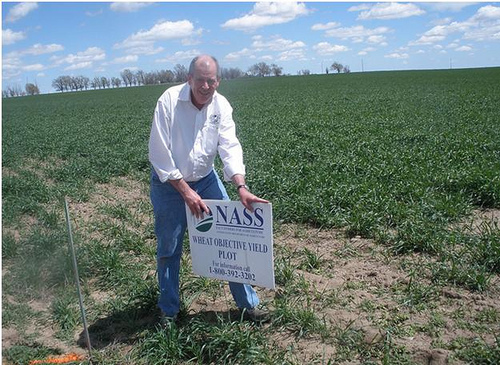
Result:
203,82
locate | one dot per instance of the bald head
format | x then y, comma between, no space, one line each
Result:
204,62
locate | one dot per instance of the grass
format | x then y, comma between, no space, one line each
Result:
398,159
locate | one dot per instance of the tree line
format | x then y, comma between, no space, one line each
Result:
29,89
130,78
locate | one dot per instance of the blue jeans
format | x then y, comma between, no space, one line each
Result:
170,227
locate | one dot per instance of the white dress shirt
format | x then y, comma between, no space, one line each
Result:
185,140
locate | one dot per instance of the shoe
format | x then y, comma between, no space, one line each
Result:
255,315
166,321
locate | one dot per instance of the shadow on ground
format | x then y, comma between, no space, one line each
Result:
126,326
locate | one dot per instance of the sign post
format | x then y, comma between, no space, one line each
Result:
232,243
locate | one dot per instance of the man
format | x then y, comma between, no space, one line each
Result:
191,123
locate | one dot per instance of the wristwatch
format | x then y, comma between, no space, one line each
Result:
242,186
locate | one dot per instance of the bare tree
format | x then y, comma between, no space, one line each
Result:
181,73
166,76
116,82
96,82
105,82
15,91
260,69
85,82
127,76
304,72
276,70
139,76
231,73
58,84
346,69
78,82
264,69
32,89
336,66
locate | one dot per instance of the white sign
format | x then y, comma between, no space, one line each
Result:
233,243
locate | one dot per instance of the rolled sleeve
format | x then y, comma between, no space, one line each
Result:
230,150
160,154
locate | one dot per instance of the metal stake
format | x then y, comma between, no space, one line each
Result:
77,277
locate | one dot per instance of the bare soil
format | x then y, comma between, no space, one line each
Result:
364,282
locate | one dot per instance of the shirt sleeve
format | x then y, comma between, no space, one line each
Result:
230,150
160,152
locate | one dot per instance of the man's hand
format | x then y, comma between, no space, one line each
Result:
191,197
247,198
196,204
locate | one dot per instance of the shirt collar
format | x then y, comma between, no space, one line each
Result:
185,94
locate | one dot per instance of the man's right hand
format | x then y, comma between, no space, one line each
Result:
191,197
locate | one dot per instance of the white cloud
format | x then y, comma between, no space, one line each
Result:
20,11
127,7
34,67
180,56
442,6
485,24
12,64
126,59
365,51
488,12
287,50
148,49
356,33
293,55
397,55
442,21
84,59
11,37
93,14
463,49
439,33
38,49
482,26
159,32
326,26
276,44
236,56
359,7
79,66
267,13
376,39
385,11
325,48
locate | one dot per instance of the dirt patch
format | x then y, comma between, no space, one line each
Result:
481,220
352,284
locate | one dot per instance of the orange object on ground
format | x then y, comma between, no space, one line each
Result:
58,359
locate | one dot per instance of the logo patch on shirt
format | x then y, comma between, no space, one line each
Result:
215,119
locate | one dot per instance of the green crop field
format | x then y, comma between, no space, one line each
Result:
403,160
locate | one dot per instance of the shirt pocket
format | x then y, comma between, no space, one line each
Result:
210,139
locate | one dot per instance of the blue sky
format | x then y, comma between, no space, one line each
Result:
44,40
